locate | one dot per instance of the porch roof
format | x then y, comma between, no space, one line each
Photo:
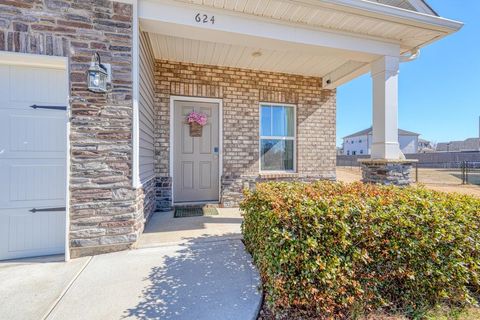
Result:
333,39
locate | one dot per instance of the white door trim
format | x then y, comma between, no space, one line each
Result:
220,136
36,60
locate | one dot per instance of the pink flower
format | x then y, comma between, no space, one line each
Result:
196,117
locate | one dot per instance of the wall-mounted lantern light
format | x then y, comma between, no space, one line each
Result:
98,75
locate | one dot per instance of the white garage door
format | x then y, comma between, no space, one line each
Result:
32,160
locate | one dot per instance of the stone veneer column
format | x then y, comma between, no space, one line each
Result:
386,165
106,213
387,172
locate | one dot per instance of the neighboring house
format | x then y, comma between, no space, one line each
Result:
360,143
470,144
425,146
83,169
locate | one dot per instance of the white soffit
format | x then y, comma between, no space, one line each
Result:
228,55
333,15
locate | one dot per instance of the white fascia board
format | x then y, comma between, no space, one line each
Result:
35,60
178,19
385,12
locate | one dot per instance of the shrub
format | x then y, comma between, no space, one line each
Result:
332,250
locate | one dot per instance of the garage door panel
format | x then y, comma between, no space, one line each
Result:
32,161
30,233
33,183
31,85
33,132
30,185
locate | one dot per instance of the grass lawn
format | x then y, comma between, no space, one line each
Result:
444,314
436,179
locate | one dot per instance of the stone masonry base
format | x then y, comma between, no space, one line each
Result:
123,231
90,251
387,172
163,190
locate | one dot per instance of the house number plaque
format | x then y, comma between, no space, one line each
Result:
204,18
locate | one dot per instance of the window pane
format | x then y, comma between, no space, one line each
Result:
282,122
276,154
266,121
278,121
289,121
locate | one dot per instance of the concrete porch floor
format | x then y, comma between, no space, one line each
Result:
163,229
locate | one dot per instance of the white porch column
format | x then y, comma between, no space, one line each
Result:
385,109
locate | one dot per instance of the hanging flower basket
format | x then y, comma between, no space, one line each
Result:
195,130
196,121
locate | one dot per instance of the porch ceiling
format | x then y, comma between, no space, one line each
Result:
318,63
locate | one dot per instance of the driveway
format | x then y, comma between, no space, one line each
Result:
29,288
205,277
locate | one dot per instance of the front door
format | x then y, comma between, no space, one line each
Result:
195,159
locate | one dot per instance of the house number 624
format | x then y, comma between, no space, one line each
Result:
203,18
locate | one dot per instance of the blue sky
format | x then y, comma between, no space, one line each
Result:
439,94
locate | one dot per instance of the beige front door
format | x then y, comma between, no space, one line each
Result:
195,159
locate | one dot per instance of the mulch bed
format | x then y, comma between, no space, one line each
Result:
266,314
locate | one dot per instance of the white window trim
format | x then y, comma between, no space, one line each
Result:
260,137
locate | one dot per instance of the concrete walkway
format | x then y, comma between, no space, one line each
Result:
163,228
209,276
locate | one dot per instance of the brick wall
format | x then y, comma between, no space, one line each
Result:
104,211
242,91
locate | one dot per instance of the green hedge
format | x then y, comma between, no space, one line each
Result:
332,250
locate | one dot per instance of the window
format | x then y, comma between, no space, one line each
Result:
348,152
360,141
277,137
352,141
361,151
354,153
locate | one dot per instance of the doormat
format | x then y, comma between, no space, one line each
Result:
199,211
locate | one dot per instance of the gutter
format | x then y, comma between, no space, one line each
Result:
388,13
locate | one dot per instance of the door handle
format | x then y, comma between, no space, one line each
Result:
33,210
34,106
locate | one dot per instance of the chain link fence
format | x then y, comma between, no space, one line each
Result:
448,173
